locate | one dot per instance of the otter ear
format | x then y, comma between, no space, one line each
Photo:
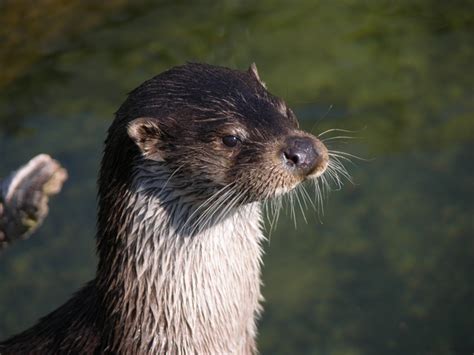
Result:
146,135
254,72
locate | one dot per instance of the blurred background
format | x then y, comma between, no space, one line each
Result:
387,269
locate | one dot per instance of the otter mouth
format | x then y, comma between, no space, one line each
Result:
319,169
299,158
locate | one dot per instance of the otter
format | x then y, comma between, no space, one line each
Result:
188,161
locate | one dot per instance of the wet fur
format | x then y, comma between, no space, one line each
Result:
179,227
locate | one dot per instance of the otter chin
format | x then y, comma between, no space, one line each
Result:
188,161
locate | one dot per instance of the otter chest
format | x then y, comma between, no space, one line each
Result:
199,291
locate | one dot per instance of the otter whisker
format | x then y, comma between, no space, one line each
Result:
332,173
279,206
336,164
321,118
325,187
299,197
276,205
342,157
324,140
299,189
224,201
306,195
232,203
171,176
272,219
292,208
203,205
206,216
269,206
336,180
217,206
210,209
338,130
296,193
319,198
341,169
333,152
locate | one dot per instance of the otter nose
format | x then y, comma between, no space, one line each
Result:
300,154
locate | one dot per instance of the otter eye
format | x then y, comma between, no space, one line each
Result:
231,141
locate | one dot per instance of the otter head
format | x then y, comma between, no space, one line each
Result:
214,130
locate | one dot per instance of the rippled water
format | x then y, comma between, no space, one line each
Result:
387,269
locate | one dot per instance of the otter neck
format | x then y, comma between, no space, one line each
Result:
166,291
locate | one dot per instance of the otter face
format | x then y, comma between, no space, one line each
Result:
219,129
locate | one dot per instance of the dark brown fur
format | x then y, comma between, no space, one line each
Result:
174,121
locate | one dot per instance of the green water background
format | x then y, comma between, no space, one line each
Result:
388,268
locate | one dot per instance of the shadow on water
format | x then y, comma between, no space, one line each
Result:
389,271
